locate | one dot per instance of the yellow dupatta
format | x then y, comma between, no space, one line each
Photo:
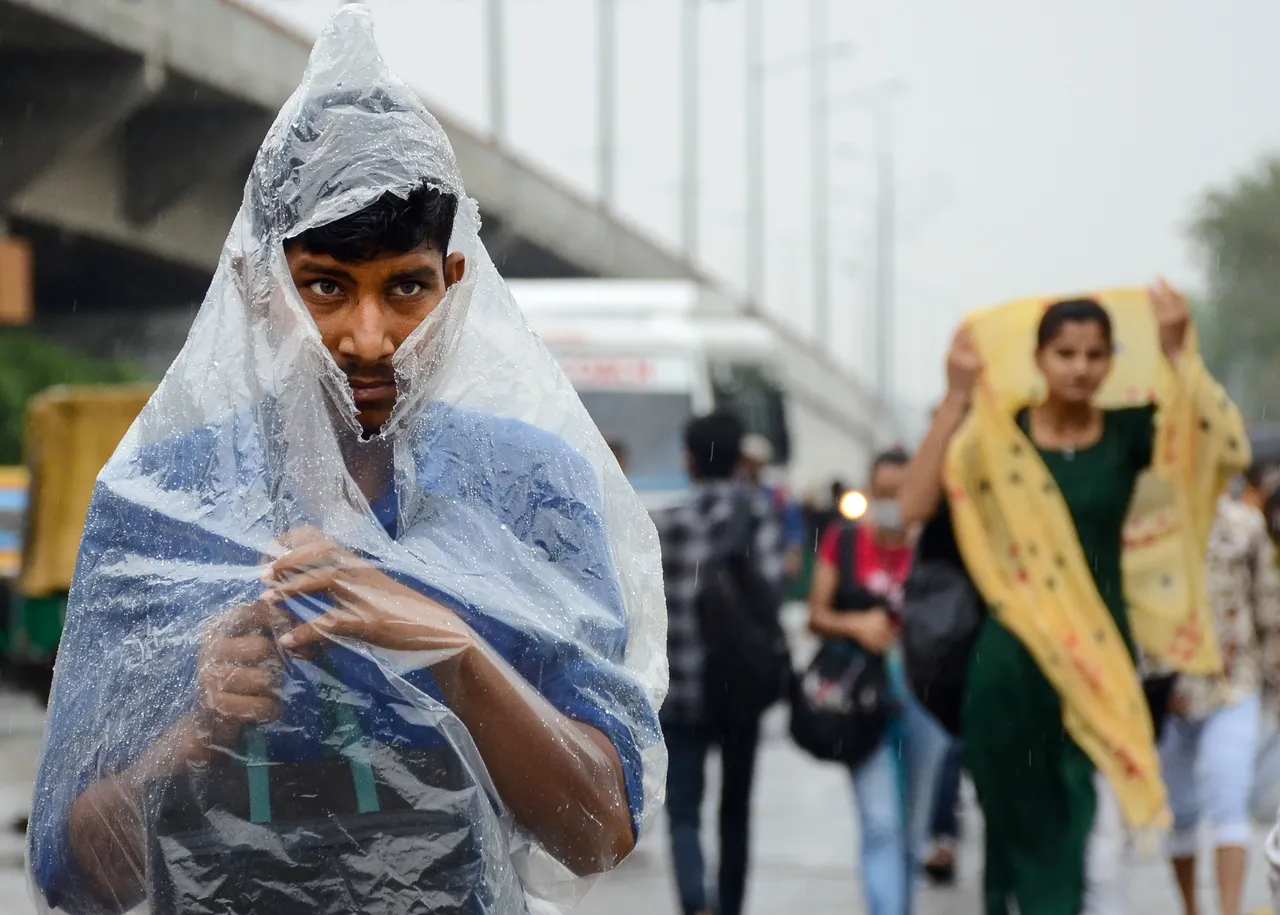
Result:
1021,549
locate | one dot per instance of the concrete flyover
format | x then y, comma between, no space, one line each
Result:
132,124
127,128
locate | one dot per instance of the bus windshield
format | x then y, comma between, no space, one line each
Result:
649,428
750,391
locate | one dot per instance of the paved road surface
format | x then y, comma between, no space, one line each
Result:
804,843
805,846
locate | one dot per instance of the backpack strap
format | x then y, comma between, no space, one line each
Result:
740,530
343,729
846,560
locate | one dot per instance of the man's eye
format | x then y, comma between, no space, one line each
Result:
409,288
324,288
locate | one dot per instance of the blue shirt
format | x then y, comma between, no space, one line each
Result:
790,516
146,581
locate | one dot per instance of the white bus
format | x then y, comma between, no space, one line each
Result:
645,356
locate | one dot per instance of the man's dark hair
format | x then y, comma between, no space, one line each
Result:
389,225
890,457
714,444
1072,311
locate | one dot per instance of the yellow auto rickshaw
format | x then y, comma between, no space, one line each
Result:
69,434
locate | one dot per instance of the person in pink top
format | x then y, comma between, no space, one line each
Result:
894,787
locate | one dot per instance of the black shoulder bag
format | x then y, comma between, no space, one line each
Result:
842,704
942,614
367,829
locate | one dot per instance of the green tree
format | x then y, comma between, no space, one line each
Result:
1237,230
30,363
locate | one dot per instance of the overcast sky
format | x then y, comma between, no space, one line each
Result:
1041,147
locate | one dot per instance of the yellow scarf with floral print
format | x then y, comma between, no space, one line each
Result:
1007,511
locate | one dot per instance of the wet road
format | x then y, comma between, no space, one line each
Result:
805,846
804,842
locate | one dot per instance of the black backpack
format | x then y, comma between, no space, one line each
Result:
942,616
747,667
842,704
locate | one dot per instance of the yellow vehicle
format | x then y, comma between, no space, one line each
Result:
70,433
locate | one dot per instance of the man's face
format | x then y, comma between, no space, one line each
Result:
365,310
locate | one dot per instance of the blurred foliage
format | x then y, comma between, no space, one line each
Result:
1238,231
30,363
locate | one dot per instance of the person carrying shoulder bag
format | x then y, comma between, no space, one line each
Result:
913,744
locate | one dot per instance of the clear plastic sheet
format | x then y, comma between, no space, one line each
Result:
305,669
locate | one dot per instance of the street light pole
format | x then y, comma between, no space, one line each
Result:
879,99
819,204
497,72
606,12
689,157
886,249
755,215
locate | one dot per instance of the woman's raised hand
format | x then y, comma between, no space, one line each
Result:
1172,317
964,365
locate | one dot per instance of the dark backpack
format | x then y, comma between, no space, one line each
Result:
942,615
748,665
842,704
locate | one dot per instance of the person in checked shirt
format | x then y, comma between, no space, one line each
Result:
1211,736
693,722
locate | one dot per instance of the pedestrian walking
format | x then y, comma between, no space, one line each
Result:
1058,737
894,785
944,828
1211,738
722,570
757,457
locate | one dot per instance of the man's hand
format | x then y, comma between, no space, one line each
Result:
368,605
964,365
873,630
1172,318
238,672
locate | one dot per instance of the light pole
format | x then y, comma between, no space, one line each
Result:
886,248
758,70
818,151
497,72
606,16
880,99
754,152
689,133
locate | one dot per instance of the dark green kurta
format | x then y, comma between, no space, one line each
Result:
1034,783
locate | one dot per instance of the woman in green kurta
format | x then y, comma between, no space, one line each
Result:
1037,788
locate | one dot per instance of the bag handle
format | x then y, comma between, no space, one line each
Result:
740,528
354,747
846,549
256,763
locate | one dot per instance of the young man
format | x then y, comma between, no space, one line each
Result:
342,634
757,456
1211,736
894,788
694,720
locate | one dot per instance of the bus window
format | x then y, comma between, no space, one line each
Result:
649,427
749,391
